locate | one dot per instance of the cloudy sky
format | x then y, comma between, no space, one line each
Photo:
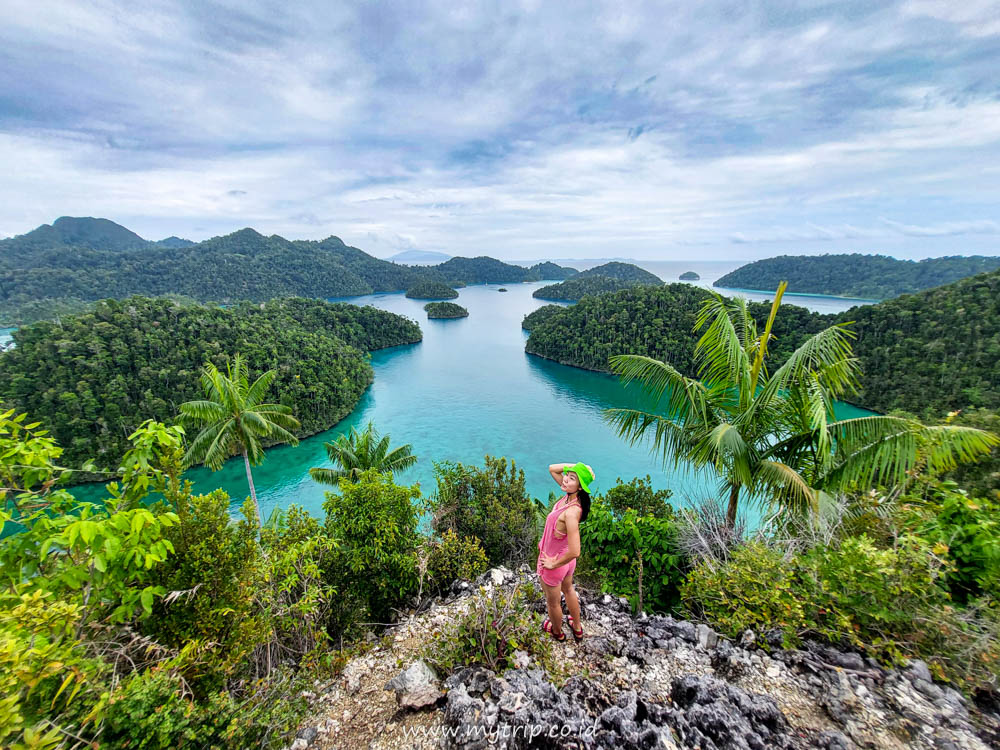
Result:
522,130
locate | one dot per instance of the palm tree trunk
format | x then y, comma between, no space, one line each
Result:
253,492
734,496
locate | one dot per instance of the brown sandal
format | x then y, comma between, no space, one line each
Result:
547,627
577,634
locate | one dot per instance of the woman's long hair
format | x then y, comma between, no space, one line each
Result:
584,497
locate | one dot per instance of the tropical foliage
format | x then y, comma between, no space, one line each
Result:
855,275
234,419
431,290
488,503
94,378
359,451
445,310
774,434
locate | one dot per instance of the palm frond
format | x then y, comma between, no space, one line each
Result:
785,487
669,439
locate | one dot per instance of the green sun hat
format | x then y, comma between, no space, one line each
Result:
583,474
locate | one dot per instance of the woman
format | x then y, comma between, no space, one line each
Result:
560,546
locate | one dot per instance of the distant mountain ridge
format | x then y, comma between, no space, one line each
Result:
856,274
89,259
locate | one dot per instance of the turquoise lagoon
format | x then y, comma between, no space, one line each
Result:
467,390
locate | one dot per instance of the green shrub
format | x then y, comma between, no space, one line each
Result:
153,710
970,529
216,573
878,599
297,598
638,495
490,504
755,589
373,522
452,557
497,623
632,555
46,674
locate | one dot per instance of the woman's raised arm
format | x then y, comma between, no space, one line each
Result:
556,470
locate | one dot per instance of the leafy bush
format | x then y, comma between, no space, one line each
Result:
877,599
970,529
452,557
297,599
633,555
638,495
154,710
47,678
497,623
490,504
755,589
213,578
374,524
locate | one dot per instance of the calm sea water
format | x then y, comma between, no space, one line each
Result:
467,390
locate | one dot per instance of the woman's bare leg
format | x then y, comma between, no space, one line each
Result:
572,601
553,602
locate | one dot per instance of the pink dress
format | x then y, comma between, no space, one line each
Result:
555,546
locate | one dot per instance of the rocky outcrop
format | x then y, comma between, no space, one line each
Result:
646,682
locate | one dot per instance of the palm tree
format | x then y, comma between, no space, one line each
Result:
352,454
775,435
235,420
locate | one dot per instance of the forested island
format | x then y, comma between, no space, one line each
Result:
855,275
609,277
445,310
76,261
689,276
431,290
927,353
94,377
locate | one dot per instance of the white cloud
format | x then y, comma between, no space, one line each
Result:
450,128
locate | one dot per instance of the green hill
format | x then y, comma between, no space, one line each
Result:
622,272
610,277
78,260
855,275
431,290
445,310
927,353
93,378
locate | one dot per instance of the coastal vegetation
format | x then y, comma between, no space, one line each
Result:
93,378
446,310
158,624
689,276
928,353
431,290
771,431
539,316
609,277
79,260
856,274
234,419
359,451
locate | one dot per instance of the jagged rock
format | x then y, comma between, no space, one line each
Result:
748,638
416,687
917,670
308,734
686,631
707,638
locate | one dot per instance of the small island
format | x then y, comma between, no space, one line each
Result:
431,290
502,289
689,276
445,310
